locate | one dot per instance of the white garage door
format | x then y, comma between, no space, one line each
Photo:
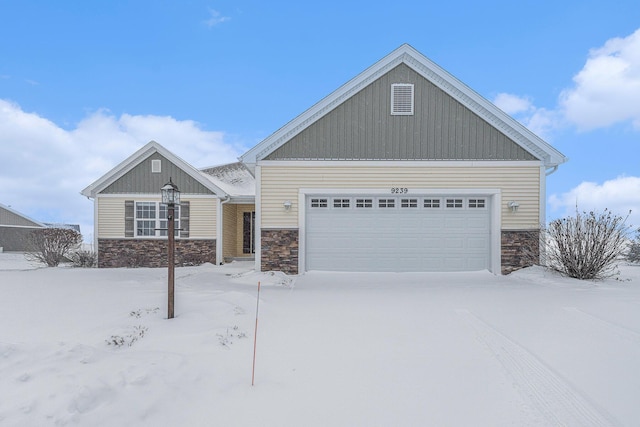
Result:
399,233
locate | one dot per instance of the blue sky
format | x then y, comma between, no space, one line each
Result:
85,84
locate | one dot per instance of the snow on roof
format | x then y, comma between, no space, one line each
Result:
233,178
75,227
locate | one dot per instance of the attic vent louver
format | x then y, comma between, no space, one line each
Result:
402,99
156,166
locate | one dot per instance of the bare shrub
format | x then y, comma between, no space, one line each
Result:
83,258
586,246
633,254
51,246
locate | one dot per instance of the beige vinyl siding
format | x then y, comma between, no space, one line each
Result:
230,227
111,216
203,217
518,183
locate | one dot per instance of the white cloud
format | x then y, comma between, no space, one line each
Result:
618,195
607,89
45,167
605,93
216,18
539,120
513,104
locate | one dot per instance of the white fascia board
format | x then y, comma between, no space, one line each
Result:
136,158
432,72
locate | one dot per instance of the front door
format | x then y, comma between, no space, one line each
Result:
248,229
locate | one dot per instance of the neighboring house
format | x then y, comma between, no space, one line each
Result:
15,229
403,168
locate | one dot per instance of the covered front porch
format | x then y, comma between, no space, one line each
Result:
238,231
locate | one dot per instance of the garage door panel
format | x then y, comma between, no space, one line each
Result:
480,243
397,239
455,222
474,223
454,243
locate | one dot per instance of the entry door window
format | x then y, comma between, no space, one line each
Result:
248,231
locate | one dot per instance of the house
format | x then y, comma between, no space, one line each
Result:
403,168
131,223
16,227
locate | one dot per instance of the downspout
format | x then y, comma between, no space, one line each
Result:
551,170
220,240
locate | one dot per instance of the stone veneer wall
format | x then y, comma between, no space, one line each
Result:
280,251
153,252
520,249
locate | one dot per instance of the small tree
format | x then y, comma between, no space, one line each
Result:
633,255
51,245
586,246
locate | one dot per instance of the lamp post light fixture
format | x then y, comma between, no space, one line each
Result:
171,198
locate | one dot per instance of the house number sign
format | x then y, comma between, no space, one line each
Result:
399,190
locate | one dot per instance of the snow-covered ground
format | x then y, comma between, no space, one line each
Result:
464,349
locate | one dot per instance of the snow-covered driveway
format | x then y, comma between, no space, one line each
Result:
342,349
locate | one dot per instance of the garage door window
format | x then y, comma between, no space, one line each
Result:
432,203
341,203
364,203
409,203
477,203
386,203
454,204
319,203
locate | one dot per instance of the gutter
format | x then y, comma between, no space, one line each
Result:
551,170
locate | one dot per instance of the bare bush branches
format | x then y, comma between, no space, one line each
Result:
83,258
51,245
633,255
586,246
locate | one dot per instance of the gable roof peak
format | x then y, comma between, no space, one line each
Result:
138,157
428,69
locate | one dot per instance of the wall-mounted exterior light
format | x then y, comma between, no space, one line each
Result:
287,205
513,206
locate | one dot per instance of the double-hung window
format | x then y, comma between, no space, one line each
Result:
151,219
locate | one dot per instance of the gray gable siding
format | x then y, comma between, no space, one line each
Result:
140,179
10,218
362,128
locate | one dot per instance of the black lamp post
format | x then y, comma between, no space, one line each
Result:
171,198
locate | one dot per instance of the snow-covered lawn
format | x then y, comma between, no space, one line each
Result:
466,349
